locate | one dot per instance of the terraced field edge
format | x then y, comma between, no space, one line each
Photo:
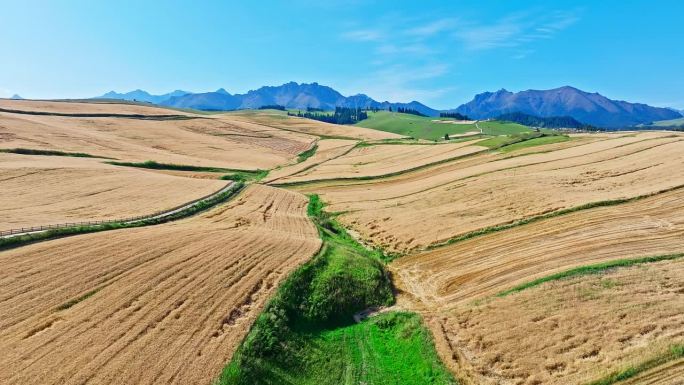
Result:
537,218
673,353
32,151
203,205
306,333
590,269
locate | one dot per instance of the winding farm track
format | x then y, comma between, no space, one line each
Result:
167,304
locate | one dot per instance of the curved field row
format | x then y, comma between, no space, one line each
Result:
572,331
279,120
483,266
671,373
161,305
443,202
86,107
425,179
215,140
42,190
327,149
368,161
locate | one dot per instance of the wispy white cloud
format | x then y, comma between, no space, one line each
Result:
400,83
413,54
433,27
412,48
514,30
364,35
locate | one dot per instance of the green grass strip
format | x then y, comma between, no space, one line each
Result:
383,176
517,140
151,164
246,176
526,221
31,151
74,301
306,334
675,352
590,269
20,240
304,155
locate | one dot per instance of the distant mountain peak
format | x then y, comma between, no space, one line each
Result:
290,95
16,97
141,96
589,108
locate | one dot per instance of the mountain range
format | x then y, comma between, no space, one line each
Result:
142,96
290,95
587,108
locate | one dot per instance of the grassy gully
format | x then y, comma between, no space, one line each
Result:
306,333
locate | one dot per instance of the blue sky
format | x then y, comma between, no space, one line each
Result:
438,52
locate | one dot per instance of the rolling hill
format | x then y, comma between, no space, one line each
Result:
590,108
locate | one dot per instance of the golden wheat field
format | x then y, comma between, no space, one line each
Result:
199,140
326,149
86,107
280,121
375,160
572,331
434,204
171,303
44,190
167,304
483,266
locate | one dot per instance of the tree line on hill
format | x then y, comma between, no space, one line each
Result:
547,122
341,115
404,110
453,115
272,107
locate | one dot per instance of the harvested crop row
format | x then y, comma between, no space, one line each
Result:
383,159
327,149
669,374
166,304
444,202
40,190
87,107
482,266
279,120
216,141
570,332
